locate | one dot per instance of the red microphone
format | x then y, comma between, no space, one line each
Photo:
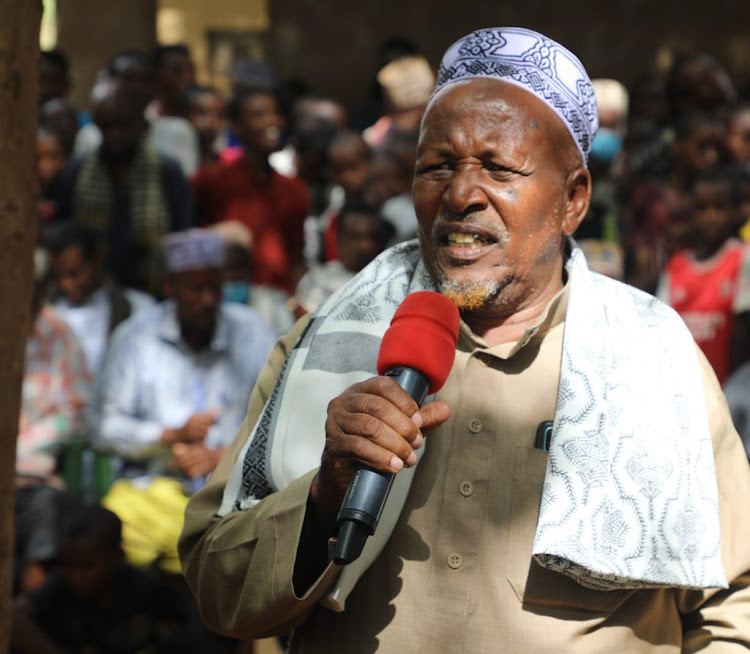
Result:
417,350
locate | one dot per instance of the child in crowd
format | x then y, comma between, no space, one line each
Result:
270,302
206,114
657,212
96,602
51,158
56,396
738,134
362,235
349,161
92,303
709,284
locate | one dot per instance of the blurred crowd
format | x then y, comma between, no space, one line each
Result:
182,230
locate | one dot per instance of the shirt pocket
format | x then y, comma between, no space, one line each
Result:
531,583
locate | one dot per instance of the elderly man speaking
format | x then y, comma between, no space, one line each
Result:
621,529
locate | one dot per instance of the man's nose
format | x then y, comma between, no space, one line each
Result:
209,297
464,194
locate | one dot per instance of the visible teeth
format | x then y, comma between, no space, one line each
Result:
459,238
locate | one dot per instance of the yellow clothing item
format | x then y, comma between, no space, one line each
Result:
152,518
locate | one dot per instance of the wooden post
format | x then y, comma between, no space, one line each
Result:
19,89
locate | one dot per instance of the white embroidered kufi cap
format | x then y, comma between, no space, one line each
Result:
533,62
193,249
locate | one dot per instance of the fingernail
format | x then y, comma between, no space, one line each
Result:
417,419
396,463
417,442
411,459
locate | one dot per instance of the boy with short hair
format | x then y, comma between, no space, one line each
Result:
709,284
362,235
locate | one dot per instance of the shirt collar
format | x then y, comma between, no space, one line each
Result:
169,329
553,315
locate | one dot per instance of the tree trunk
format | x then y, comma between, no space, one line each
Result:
19,83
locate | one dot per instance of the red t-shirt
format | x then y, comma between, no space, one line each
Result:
274,213
708,294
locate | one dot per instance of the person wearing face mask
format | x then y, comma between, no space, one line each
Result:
273,207
270,302
599,234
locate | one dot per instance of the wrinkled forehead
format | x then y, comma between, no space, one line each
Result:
494,105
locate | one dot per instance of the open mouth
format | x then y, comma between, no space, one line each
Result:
463,240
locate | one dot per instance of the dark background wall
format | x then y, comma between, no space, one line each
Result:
332,44
91,31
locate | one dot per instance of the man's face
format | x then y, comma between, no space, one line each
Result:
738,137
121,126
88,566
713,214
496,195
707,85
198,297
176,74
260,123
703,147
360,240
135,74
52,82
382,180
76,276
50,158
349,165
206,111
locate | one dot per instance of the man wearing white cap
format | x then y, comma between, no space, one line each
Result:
177,379
582,488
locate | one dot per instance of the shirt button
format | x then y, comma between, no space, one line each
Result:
455,560
475,426
466,488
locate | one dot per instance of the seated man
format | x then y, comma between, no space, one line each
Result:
92,303
176,380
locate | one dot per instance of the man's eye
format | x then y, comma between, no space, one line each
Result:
443,165
496,167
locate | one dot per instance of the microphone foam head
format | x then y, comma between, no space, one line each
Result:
422,336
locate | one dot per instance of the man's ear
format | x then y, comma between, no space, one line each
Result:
578,195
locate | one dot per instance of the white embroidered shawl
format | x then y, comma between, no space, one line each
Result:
629,497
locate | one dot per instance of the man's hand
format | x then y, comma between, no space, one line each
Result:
195,460
193,431
375,423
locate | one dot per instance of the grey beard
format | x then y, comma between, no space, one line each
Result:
468,296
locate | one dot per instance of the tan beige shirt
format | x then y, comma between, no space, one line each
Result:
457,575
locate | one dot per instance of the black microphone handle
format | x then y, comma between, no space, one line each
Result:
368,490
